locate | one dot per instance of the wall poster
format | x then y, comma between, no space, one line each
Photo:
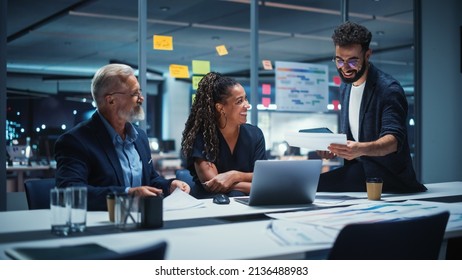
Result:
301,87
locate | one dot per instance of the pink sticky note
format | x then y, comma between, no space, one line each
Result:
336,103
266,88
337,80
266,101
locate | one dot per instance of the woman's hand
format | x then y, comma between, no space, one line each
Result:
222,183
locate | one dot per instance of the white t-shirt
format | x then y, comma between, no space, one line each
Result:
356,95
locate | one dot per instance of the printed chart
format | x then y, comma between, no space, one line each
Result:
301,87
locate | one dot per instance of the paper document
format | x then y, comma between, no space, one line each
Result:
292,233
338,217
179,200
314,141
329,200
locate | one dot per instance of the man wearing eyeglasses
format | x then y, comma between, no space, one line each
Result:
373,116
107,153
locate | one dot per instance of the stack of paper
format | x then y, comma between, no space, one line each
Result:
178,200
314,141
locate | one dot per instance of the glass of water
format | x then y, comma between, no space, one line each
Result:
78,203
60,211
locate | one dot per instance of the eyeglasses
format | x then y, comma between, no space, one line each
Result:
352,63
132,94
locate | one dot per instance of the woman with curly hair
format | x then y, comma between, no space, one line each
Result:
219,146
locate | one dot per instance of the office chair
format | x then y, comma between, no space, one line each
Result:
38,192
87,251
411,239
152,252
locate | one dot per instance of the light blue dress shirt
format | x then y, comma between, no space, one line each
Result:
128,156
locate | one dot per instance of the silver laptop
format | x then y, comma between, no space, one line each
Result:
282,182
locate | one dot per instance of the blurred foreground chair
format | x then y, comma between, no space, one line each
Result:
38,192
152,252
87,251
411,239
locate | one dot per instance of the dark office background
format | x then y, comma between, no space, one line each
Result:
26,116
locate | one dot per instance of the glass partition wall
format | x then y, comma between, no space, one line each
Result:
54,48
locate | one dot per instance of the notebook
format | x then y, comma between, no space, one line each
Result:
316,130
282,182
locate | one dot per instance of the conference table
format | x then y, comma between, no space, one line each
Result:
21,170
220,232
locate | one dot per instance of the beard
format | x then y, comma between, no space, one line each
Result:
356,77
135,114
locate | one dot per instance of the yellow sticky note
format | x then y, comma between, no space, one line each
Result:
162,42
195,81
193,98
221,50
200,66
179,71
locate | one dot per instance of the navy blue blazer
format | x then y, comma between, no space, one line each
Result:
383,111
85,155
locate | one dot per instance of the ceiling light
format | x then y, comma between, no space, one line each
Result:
164,8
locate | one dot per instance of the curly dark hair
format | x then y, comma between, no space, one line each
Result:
350,33
213,88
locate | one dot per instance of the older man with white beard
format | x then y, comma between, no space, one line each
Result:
107,153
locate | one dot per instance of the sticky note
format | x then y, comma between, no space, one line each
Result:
267,64
337,80
195,81
221,50
179,71
200,66
336,104
266,88
162,42
266,101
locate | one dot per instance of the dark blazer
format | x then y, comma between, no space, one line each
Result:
383,111
85,155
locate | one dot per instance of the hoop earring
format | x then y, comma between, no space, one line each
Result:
226,120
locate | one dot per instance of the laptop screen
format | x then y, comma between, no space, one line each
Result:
281,182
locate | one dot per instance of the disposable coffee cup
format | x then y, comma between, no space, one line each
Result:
110,202
374,188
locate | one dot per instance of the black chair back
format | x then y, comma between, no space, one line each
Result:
410,239
38,192
155,251
152,252
87,251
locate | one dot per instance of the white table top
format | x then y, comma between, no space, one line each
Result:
238,240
